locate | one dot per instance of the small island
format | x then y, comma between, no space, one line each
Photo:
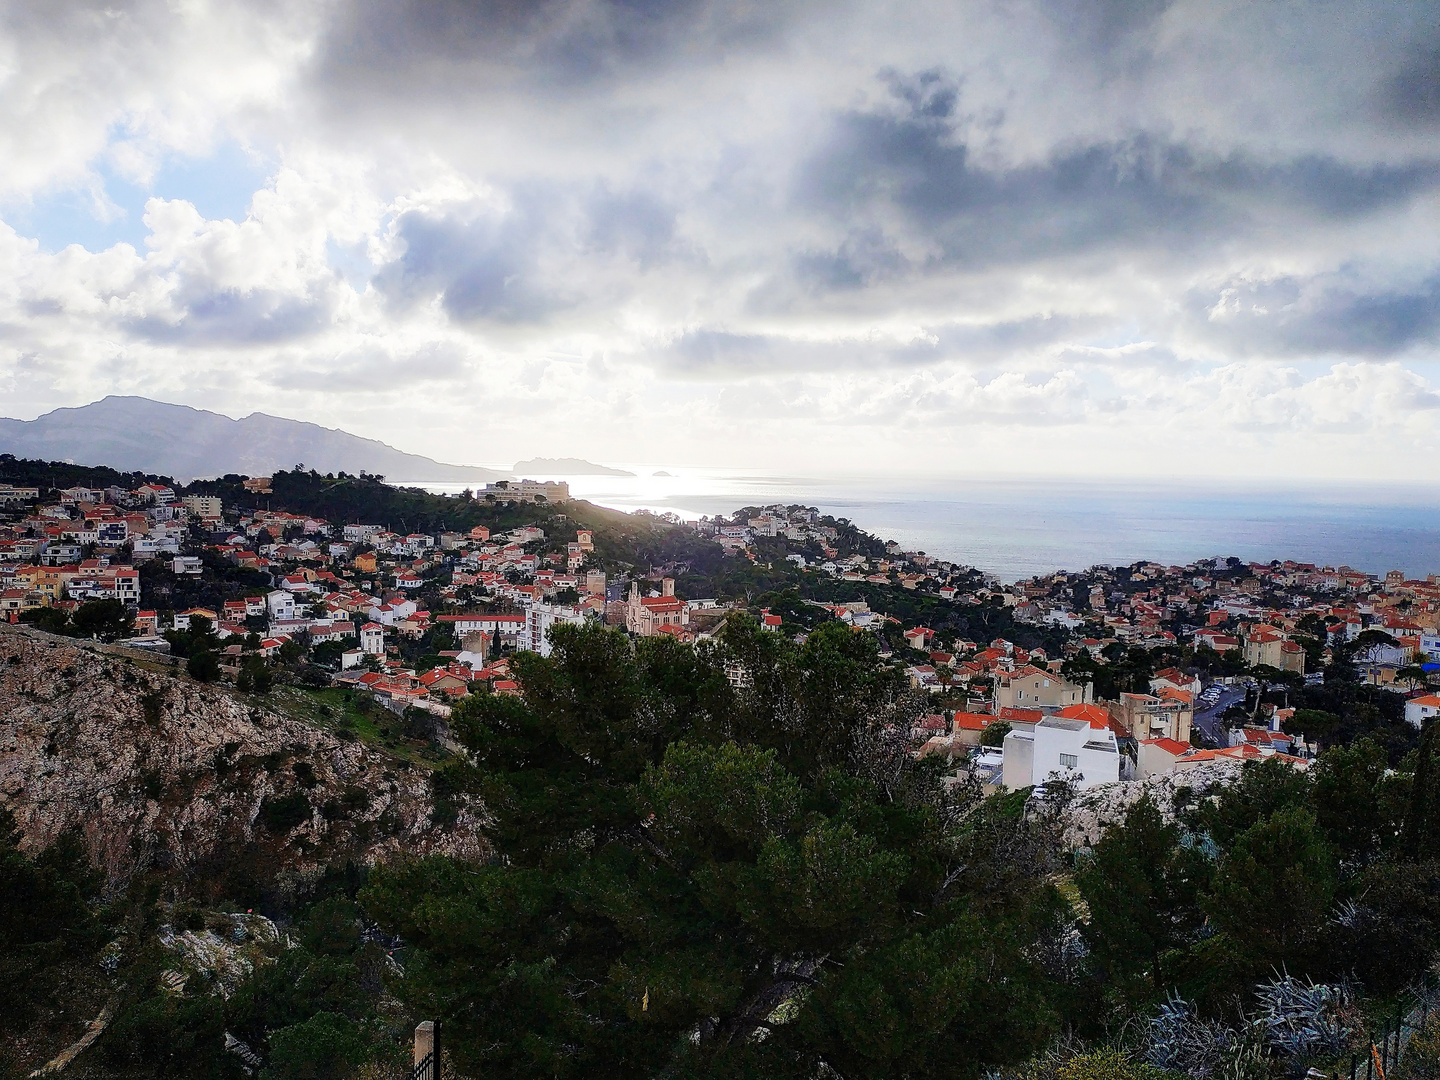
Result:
567,466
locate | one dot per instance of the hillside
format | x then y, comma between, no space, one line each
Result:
567,466
160,772
137,434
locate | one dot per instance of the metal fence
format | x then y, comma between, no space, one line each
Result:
1384,1047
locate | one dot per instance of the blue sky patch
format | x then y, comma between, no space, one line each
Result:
219,186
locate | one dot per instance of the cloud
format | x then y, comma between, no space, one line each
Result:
1327,314
712,351
1412,95
912,166
550,46
1018,232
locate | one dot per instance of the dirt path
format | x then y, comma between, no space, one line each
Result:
93,1031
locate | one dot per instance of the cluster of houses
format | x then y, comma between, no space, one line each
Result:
87,544
367,589
1054,730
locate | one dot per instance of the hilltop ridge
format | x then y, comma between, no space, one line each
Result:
139,434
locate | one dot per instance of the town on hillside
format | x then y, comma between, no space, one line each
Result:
1088,677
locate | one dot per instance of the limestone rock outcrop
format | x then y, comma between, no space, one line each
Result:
159,771
1091,811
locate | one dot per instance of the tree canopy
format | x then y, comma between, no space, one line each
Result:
719,862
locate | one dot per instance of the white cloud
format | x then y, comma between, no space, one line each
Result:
1046,235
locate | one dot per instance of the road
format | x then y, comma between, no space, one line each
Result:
1209,722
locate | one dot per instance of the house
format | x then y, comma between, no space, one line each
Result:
1076,751
1430,645
181,620
453,679
280,604
1158,756
186,564
1034,688
1265,645
1420,709
1384,654
372,639
919,638
1153,716
351,658
1176,680
156,493
927,727
967,727
1217,640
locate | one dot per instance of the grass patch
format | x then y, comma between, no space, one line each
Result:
341,713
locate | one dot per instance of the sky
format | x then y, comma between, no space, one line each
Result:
1098,238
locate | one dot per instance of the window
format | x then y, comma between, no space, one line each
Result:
1068,761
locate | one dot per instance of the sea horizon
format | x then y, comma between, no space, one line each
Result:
1018,527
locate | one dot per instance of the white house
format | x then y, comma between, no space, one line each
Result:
1430,646
361,534
280,604
1420,709
1079,751
372,639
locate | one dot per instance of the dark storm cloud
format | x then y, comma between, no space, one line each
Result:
483,264
489,264
1329,315
1412,96
236,317
914,162
429,44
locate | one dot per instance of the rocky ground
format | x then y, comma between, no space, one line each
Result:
1090,812
158,771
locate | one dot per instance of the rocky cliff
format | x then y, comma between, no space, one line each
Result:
1092,812
158,771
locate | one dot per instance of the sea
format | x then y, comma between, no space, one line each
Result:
1017,528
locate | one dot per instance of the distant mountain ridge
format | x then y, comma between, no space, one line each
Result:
138,434
567,466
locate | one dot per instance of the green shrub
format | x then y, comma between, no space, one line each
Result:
281,814
170,1036
1092,1065
325,1047
1422,1053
